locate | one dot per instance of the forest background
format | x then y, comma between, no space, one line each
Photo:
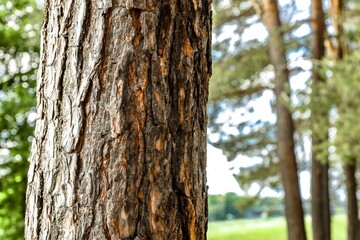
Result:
322,96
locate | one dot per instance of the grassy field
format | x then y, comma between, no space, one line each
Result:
263,229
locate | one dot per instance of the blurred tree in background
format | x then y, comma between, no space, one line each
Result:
20,23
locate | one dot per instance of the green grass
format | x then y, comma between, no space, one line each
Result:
263,229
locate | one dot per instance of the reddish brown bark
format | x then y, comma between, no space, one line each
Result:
120,142
285,125
339,46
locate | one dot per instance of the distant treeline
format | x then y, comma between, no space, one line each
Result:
232,206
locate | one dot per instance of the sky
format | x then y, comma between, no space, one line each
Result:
220,171
219,175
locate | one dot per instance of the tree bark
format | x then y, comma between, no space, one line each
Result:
336,10
120,140
320,201
285,125
352,204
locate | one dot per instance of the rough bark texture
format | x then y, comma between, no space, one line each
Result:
320,201
352,204
285,125
120,140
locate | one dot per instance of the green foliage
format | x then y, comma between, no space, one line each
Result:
237,64
230,81
19,47
19,25
223,207
343,91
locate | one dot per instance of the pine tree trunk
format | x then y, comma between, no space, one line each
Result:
352,204
320,201
120,140
285,125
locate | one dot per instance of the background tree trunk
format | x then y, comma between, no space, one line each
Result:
285,125
320,200
120,140
352,204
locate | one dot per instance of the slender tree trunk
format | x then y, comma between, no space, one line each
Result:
120,140
320,201
285,125
352,204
